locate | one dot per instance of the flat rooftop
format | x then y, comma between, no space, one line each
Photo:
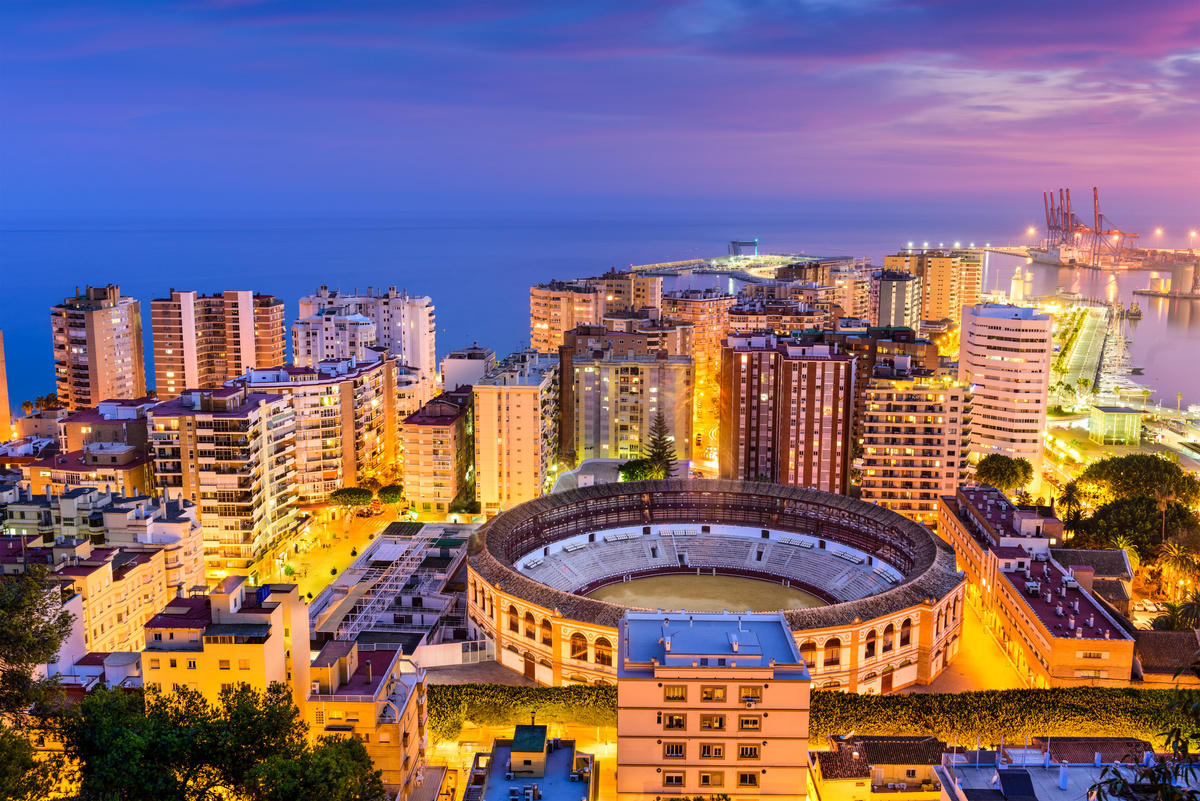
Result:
556,785
681,639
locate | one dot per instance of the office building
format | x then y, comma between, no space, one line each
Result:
897,299
463,367
516,430
708,312
6,428
111,422
332,335
97,347
615,398
237,634
233,452
1005,354
1055,632
110,520
778,316
202,341
347,420
439,451
559,306
711,703
373,694
915,439
786,412
404,324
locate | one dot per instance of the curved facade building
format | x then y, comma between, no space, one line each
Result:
892,591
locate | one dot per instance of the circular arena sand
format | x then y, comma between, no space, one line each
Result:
706,594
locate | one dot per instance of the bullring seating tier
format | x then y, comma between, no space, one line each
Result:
842,574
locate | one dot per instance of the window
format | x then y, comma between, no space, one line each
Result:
385,737
243,664
747,780
226,686
833,652
889,637
749,723
223,664
673,750
905,633
712,722
1091,654
674,721
579,647
673,779
172,663
869,653
158,636
751,694
808,651
712,751
716,779
547,633
603,651
747,751
910,774
191,664
674,693
512,619
712,694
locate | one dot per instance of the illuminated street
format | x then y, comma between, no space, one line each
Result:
980,664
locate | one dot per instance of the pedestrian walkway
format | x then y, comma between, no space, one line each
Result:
979,665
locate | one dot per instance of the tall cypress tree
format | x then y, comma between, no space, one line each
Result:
660,450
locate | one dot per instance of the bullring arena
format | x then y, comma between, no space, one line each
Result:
874,599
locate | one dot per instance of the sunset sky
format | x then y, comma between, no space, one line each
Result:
607,106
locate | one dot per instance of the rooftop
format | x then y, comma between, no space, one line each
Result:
894,750
1007,312
1165,652
489,770
183,613
679,639
529,739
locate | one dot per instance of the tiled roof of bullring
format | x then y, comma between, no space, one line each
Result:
933,576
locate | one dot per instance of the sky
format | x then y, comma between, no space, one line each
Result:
599,107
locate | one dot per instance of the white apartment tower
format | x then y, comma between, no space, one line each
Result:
516,430
1005,355
334,334
98,347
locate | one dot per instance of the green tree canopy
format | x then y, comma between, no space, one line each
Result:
640,470
370,483
1005,473
391,494
660,449
1139,475
33,625
249,745
351,497
1138,522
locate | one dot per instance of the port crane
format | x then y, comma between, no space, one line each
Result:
1096,244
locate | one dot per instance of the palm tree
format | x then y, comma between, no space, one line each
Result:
1178,562
1123,543
1145,397
27,407
1164,495
1178,400
1190,607
1174,619
1071,502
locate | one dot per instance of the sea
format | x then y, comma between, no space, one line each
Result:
478,271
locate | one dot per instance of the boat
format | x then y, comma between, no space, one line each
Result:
1134,312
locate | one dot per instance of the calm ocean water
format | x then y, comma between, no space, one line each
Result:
477,271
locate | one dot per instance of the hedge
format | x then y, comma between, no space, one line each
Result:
987,714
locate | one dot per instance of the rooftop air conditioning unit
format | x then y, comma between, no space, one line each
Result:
316,688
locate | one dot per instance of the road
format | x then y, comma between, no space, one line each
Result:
1089,348
335,545
979,665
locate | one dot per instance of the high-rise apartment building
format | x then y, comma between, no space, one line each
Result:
6,431
946,279
404,324
559,306
347,420
852,289
786,412
97,347
237,634
516,430
332,334
970,282
646,327
125,468
232,452
628,291
202,341
915,439
463,367
439,450
708,311
897,299
711,704
615,399
111,422
779,316
1005,355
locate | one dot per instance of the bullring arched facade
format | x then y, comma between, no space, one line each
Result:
905,633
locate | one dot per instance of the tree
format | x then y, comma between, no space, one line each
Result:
390,494
1123,543
351,497
23,774
1178,564
660,450
1005,473
1138,474
1163,497
640,470
180,746
27,407
1174,619
1178,401
33,625
1135,519
370,483
1070,504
